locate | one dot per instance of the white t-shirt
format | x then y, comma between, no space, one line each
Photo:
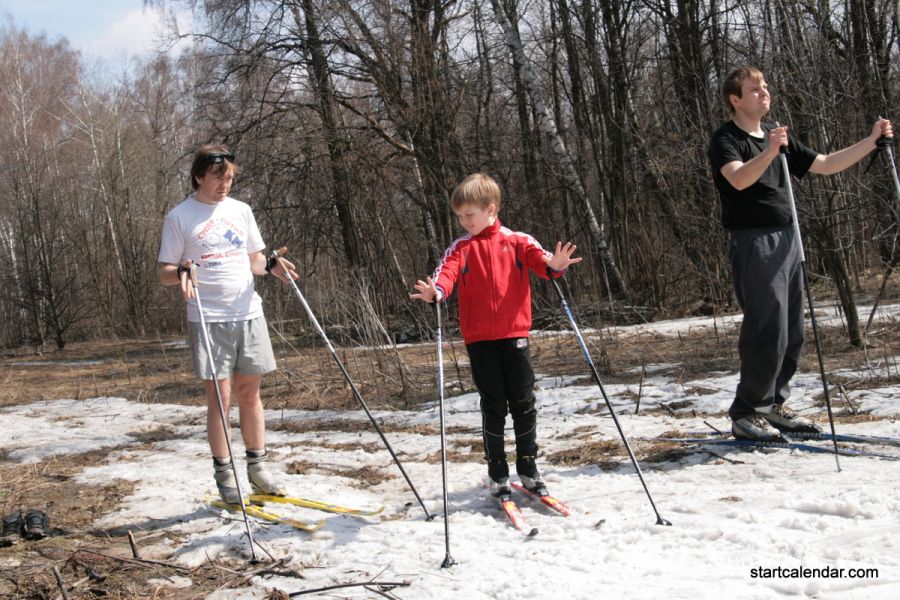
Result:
219,239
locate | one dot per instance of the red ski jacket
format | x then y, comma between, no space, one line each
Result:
491,269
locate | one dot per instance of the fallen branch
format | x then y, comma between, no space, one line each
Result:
380,584
246,577
853,409
147,561
60,583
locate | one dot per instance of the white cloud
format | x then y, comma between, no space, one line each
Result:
138,32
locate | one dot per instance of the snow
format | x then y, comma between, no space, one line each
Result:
732,511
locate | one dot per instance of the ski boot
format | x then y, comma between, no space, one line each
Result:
787,420
13,525
225,482
501,489
529,475
755,427
37,524
262,481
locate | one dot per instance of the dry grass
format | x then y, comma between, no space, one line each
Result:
95,563
349,426
454,456
361,477
597,453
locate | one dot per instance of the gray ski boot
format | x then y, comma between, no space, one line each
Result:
262,481
225,481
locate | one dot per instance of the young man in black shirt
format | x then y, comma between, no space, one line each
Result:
764,254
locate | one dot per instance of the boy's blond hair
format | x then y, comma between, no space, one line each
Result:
478,189
731,86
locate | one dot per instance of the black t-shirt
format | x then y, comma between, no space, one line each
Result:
766,202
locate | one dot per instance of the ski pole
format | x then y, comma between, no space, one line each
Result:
448,560
212,368
276,254
612,412
809,299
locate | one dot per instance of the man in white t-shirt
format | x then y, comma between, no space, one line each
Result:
219,234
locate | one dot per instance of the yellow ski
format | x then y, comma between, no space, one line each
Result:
261,513
315,504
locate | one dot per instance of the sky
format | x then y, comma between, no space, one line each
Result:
108,30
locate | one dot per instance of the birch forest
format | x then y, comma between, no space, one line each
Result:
353,120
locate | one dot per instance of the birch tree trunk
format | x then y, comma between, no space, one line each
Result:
610,270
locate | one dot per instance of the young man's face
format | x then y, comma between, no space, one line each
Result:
755,99
474,218
215,184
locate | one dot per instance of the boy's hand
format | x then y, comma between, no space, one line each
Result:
562,257
426,291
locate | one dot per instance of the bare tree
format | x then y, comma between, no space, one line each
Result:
610,272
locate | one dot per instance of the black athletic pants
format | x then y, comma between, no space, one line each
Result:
504,378
768,283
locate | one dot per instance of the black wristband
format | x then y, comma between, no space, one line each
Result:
181,269
270,263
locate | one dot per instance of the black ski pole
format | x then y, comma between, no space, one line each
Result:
809,299
612,412
448,560
315,322
212,368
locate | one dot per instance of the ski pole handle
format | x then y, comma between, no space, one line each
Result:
275,259
884,141
782,149
193,271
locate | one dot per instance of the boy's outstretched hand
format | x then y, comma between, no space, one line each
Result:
562,257
425,291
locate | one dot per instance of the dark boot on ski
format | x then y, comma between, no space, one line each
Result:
529,475
755,427
786,420
498,472
13,526
501,489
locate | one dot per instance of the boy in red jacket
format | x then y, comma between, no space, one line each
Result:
491,264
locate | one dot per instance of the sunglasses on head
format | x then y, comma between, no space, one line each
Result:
217,157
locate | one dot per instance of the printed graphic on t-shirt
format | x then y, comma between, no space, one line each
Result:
221,238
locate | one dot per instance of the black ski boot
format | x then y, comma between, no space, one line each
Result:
498,471
37,524
13,526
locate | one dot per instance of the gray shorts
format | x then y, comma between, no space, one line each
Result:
237,347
